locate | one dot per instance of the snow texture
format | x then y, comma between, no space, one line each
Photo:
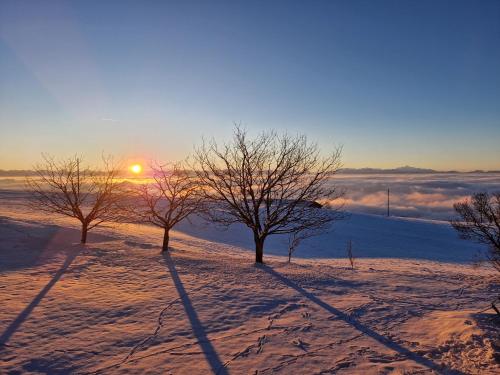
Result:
118,306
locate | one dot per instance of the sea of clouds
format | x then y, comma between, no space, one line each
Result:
427,196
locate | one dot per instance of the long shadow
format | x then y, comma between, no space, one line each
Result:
361,327
199,331
28,243
14,326
21,247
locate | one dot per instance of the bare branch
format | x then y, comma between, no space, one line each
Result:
172,197
479,221
68,188
273,184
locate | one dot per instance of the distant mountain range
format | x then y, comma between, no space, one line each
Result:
401,170
16,173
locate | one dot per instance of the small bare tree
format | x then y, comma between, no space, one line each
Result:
294,241
295,238
350,254
479,220
272,184
68,188
171,198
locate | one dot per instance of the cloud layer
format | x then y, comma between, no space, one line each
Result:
428,196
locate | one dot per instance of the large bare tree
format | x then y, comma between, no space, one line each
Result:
69,188
272,184
171,198
479,220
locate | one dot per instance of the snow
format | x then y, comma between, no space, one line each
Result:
372,236
118,306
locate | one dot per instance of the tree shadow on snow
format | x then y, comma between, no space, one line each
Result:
21,245
198,329
373,237
439,368
23,315
490,324
28,243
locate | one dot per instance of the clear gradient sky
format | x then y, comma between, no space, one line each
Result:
396,82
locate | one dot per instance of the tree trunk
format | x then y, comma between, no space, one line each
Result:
259,250
166,237
84,233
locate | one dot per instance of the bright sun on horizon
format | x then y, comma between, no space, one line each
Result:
136,168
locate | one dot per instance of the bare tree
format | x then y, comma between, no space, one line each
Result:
68,188
479,220
350,254
171,198
295,238
272,184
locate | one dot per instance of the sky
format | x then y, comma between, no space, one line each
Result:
395,82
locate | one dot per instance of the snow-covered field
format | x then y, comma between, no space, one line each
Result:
116,305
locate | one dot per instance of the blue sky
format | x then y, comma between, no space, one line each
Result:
395,82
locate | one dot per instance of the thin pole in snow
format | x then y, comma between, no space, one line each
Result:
388,212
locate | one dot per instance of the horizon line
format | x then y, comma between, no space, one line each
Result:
346,170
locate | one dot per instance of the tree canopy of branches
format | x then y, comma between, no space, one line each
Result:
271,184
68,188
171,198
480,221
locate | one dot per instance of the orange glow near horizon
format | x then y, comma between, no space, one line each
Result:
136,168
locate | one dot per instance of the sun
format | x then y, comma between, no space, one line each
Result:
136,168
